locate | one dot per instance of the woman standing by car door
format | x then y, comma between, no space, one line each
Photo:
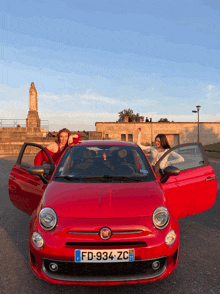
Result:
160,148
57,148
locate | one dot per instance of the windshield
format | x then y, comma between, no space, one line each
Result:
106,163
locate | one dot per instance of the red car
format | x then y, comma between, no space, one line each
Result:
104,215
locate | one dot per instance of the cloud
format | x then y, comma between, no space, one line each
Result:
76,120
74,101
86,120
82,110
14,97
210,87
89,95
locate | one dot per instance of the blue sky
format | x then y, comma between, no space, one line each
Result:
90,59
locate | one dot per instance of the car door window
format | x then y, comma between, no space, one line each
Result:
183,157
27,159
27,156
194,189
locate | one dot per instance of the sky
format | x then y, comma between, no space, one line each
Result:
90,59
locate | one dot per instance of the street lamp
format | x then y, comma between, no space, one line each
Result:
197,111
152,143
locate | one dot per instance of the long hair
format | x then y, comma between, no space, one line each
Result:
163,141
59,133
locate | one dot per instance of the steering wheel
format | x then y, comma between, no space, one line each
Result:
131,166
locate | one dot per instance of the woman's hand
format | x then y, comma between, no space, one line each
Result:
70,140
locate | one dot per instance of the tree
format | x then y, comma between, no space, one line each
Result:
137,118
132,116
126,112
163,120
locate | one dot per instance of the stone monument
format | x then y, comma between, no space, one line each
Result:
33,120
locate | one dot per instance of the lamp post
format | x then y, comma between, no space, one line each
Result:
151,126
197,111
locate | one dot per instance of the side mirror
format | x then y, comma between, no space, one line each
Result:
169,171
48,169
39,171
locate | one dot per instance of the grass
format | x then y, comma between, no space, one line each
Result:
215,146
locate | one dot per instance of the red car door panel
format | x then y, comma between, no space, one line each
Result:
198,193
170,189
194,190
25,190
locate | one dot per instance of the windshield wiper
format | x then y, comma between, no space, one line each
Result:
73,178
103,178
126,178
68,177
113,177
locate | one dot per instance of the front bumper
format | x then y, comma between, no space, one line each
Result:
112,273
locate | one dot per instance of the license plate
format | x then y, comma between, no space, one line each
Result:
117,255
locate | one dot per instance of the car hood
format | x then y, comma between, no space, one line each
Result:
103,200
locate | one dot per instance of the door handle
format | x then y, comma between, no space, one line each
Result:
209,179
14,178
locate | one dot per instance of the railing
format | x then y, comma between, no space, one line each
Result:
13,123
216,151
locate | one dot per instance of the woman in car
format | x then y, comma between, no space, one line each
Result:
57,148
160,148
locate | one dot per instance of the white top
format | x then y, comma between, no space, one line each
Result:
156,155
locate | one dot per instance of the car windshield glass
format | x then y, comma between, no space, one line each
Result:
104,163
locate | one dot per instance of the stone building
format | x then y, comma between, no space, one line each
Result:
176,132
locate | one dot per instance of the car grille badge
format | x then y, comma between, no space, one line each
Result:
105,233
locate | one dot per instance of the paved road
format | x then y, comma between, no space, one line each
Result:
198,270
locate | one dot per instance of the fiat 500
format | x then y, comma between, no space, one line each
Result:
104,215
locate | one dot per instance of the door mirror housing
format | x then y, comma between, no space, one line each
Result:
39,171
168,172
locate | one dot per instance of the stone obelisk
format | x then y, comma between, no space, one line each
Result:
33,120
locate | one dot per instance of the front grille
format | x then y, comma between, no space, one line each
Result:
72,271
97,232
105,244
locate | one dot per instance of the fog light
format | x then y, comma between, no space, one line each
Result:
155,265
53,267
170,238
37,239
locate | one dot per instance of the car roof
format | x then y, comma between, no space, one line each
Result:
106,142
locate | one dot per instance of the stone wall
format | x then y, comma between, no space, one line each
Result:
186,132
12,139
19,134
15,148
95,135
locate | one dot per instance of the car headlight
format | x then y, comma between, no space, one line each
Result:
47,218
37,239
161,217
170,238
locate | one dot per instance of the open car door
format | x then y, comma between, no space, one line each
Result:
194,190
25,189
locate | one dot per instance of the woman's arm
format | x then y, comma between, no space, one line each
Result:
166,162
74,139
145,148
178,158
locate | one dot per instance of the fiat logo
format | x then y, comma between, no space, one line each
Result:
105,233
